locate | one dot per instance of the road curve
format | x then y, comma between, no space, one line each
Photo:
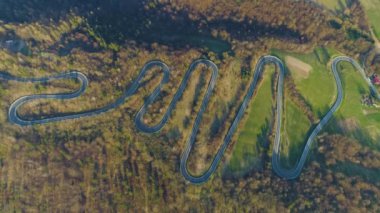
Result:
293,173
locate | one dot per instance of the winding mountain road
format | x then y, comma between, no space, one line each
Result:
15,118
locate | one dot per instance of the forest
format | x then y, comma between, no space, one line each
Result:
105,164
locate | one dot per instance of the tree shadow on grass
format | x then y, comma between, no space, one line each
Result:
361,135
255,163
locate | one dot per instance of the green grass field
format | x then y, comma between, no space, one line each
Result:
245,155
364,121
293,135
319,88
246,151
361,122
319,91
333,4
372,8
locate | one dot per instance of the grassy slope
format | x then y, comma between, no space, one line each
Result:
245,155
318,90
368,125
332,4
368,131
373,7
319,96
294,132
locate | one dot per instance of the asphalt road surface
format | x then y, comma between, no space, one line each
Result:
293,173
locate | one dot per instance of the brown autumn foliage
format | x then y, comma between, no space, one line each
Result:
104,164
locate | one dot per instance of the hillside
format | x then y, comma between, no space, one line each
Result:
106,163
